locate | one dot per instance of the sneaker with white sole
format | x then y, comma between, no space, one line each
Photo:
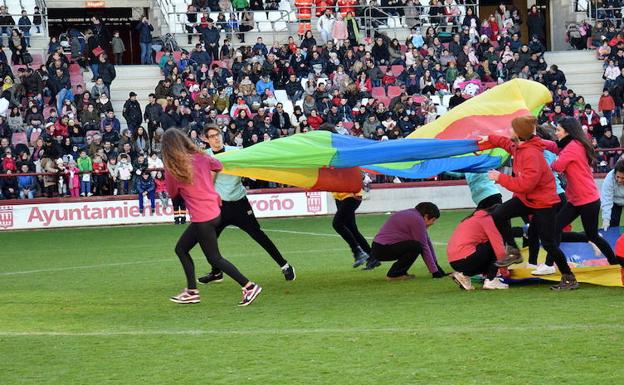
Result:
461,280
531,266
544,269
495,284
360,258
249,295
187,296
289,272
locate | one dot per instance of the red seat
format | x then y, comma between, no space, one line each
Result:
394,91
418,99
403,48
92,132
397,69
384,99
159,55
19,138
74,69
348,125
378,92
177,55
383,69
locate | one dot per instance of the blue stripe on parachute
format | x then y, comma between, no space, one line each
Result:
429,168
353,152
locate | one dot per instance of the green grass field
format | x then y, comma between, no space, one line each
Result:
90,306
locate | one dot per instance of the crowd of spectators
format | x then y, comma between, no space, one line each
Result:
378,88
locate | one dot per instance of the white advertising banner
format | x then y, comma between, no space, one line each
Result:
119,212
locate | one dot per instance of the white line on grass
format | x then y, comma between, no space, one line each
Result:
310,331
7,273
326,234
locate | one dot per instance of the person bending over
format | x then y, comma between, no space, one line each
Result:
404,237
474,248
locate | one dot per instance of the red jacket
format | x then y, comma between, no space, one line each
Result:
472,232
315,121
573,162
100,168
606,103
533,181
595,119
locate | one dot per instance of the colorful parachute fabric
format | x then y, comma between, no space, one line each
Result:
323,161
588,266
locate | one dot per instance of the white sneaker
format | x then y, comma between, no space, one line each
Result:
90,194
495,284
544,269
462,280
531,266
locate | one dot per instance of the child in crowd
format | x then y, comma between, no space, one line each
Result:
112,175
73,179
86,166
99,174
118,48
37,19
27,184
124,174
146,188
161,189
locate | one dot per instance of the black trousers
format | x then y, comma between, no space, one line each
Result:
545,218
205,234
480,262
496,199
345,225
240,214
589,218
404,253
616,213
533,233
179,208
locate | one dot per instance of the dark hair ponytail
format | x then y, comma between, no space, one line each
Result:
574,130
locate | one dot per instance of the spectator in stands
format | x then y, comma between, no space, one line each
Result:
211,35
589,118
606,104
118,48
101,34
25,24
145,29
147,189
18,47
106,71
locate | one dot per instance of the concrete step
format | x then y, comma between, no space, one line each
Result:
132,72
585,89
570,58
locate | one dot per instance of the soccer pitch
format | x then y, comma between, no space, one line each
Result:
90,306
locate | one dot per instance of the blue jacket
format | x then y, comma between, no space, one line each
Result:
550,157
481,186
26,182
261,85
145,185
211,35
145,32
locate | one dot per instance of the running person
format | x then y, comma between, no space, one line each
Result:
474,248
236,211
345,225
188,173
533,185
575,157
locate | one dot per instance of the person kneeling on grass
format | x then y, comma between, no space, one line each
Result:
403,238
474,248
146,188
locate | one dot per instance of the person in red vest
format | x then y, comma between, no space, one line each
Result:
619,251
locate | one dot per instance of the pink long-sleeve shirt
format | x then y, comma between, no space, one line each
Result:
200,197
472,232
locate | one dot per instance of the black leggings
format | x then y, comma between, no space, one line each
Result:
480,262
404,253
589,217
490,201
616,213
240,214
533,233
345,225
205,234
545,218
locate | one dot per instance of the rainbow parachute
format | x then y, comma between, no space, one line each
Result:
323,161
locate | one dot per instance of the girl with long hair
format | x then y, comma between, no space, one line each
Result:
189,174
575,159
